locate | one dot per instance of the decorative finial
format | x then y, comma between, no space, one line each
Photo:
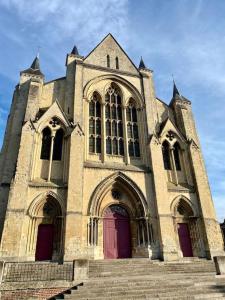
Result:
142,64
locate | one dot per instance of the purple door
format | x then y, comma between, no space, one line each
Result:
117,241
185,240
44,246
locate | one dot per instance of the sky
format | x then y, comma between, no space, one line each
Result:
185,38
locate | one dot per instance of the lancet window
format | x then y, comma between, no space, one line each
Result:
176,153
132,130
95,124
113,122
46,143
166,155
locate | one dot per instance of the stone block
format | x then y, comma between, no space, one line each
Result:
219,264
81,269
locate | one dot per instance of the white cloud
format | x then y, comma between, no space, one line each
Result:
61,19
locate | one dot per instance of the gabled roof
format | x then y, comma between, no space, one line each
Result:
115,41
172,126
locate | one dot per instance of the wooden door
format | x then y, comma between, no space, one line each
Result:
185,240
44,248
117,239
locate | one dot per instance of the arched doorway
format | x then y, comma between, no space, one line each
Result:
49,231
183,216
116,236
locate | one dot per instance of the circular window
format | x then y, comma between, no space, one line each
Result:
116,194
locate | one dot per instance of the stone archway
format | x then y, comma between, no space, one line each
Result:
120,191
45,235
186,224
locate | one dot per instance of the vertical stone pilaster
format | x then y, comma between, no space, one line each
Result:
73,232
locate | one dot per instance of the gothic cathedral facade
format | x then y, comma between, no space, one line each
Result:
95,166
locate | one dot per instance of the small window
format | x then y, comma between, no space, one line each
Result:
46,143
108,61
117,63
166,156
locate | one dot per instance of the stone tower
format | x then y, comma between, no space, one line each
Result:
94,165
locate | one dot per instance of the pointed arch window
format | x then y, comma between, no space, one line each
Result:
108,61
95,124
58,144
166,156
113,121
46,143
132,130
117,63
176,153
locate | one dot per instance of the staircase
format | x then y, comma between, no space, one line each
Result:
131,279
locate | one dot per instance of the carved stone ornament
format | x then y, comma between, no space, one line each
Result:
170,135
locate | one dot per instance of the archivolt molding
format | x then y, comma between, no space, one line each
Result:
175,203
39,200
123,84
104,186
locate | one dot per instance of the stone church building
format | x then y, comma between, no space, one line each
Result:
95,166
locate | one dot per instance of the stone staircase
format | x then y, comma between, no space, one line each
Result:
131,279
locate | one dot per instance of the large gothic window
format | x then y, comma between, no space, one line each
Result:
166,155
113,122
46,143
95,124
132,130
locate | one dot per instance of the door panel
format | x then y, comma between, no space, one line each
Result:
117,240
185,240
44,248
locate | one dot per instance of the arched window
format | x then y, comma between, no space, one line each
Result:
176,153
117,63
58,143
166,155
46,143
108,61
114,125
132,130
95,124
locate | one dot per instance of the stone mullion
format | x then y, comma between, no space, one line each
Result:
51,155
174,166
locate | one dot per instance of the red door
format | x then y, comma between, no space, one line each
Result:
44,246
117,241
185,239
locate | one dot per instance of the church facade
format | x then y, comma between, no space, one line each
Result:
95,166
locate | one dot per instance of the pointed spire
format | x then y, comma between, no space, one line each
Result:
35,64
75,51
34,68
175,90
142,64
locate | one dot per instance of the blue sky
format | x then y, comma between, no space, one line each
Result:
185,38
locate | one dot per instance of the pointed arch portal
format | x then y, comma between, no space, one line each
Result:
118,218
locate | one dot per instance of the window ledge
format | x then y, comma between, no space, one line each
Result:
117,166
181,187
43,183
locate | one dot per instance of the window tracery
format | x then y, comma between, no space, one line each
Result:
113,122
95,124
132,130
